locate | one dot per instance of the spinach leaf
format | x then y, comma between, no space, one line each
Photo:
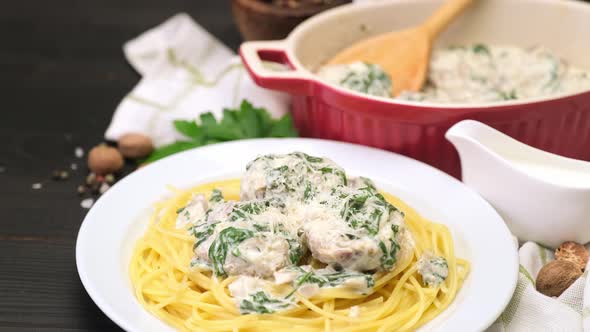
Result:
308,193
307,157
389,257
203,232
279,177
216,196
227,240
434,270
370,79
351,236
243,210
365,209
262,157
337,278
261,303
201,263
334,279
481,49
296,249
261,227
338,172
508,95
369,185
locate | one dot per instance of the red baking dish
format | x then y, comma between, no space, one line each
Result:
558,124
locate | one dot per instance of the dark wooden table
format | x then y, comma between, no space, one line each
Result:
62,73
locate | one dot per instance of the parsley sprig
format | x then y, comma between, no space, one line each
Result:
246,122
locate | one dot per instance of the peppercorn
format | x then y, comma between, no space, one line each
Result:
81,189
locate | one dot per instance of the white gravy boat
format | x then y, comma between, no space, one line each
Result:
542,197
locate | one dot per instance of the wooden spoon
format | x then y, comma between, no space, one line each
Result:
405,54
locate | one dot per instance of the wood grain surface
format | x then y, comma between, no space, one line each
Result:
62,73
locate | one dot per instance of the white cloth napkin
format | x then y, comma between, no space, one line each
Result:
530,310
185,72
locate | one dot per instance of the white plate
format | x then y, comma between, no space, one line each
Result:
117,220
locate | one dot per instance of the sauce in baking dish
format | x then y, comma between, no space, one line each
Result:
473,74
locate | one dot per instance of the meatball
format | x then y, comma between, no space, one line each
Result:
290,175
192,212
333,243
260,256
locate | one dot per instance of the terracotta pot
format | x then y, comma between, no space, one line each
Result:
263,20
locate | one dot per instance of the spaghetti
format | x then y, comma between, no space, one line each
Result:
191,300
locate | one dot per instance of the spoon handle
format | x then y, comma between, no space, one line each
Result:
438,21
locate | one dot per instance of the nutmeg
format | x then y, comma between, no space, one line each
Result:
104,159
573,252
555,277
135,145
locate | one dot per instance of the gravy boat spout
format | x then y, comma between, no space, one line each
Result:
542,197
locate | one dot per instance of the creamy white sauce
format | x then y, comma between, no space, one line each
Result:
359,76
193,211
243,286
253,295
295,209
480,73
308,281
433,269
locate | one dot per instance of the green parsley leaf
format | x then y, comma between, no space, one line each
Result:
207,120
283,128
245,122
189,129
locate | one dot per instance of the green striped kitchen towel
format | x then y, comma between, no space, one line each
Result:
531,311
185,71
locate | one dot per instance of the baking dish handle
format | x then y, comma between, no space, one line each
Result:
292,81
